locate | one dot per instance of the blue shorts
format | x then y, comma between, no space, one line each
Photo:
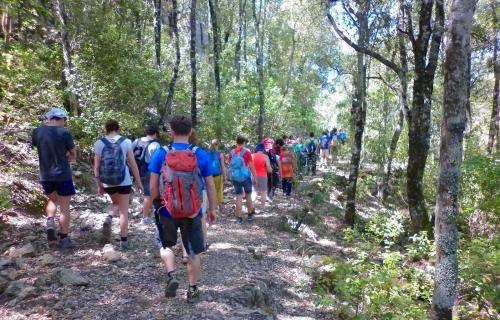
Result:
191,232
240,186
62,188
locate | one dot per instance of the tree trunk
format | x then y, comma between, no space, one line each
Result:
72,102
260,70
452,133
237,48
157,30
495,112
403,100
358,116
217,50
167,112
426,60
192,61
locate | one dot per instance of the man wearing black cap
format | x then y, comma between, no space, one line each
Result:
143,152
55,149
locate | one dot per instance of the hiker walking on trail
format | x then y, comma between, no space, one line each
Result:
310,147
55,149
219,171
113,161
273,177
240,172
143,149
179,173
324,148
262,169
334,143
287,170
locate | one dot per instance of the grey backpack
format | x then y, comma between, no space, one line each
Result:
112,166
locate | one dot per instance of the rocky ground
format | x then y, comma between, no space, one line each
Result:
254,271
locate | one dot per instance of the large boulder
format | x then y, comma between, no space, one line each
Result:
253,295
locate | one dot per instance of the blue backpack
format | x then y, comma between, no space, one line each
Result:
238,171
216,165
140,149
112,166
324,140
311,147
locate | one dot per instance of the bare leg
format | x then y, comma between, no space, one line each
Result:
248,197
51,207
146,206
168,257
239,204
123,204
193,269
263,197
64,218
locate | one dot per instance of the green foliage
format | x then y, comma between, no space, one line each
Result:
479,272
5,201
386,228
420,247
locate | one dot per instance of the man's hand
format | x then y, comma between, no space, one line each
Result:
139,186
100,188
211,216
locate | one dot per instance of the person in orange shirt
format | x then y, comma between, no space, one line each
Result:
287,170
262,166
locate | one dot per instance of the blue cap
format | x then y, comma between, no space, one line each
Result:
56,113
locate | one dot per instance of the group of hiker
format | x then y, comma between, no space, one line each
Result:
182,183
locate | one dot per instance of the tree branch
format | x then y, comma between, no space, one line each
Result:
364,50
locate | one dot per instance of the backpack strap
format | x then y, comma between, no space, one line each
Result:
106,142
119,141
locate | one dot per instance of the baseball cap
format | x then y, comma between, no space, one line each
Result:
56,113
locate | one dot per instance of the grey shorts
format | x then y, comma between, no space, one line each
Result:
261,183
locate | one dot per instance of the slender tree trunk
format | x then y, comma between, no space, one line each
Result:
450,159
157,30
260,70
245,57
192,61
70,78
290,70
495,112
426,54
167,112
237,48
403,100
213,6
358,116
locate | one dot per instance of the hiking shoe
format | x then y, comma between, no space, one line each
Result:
51,231
106,230
171,287
239,220
124,246
193,294
251,216
66,244
147,220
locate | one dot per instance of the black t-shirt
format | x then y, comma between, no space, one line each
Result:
52,144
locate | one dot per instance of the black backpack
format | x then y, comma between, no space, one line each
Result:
273,160
311,147
140,150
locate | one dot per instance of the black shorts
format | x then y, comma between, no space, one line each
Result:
62,188
191,232
118,189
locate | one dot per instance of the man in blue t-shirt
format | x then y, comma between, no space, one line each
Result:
191,228
55,149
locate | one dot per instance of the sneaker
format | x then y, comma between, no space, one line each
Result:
51,230
251,216
106,230
124,246
147,220
66,243
171,287
239,220
193,294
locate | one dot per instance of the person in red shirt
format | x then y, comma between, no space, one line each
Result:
262,168
245,186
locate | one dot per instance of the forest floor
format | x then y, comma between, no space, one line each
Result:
252,271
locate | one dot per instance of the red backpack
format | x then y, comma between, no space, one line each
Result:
286,165
181,183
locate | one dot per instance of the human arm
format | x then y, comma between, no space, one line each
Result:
135,170
212,199
153,185
97,164
268,165
223,166
70,146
